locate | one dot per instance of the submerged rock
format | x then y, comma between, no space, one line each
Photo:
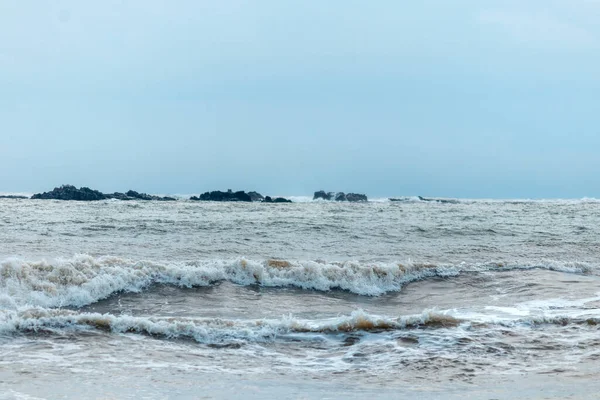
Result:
70,192
118,196
441,201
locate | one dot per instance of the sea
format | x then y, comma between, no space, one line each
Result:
481,299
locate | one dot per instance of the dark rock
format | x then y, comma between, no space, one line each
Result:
269,199
255,196
70,192
321,194
140,196
12,196
144,196
133,195
118,196
340,196
356,197
223,196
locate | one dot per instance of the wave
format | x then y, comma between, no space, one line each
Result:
212,330
226,331
84,279
448,200
466,201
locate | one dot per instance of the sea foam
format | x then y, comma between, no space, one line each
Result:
213,330
83,279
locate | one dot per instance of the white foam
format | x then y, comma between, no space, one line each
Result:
83,279
14,395
219,330
210,330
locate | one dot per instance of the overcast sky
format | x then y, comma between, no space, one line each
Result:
463,98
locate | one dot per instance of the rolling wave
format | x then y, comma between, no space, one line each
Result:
39,320
212,330
83,279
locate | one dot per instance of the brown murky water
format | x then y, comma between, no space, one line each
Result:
304,300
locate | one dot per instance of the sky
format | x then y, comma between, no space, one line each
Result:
463,98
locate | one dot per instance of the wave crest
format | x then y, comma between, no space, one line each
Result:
84,279
213,330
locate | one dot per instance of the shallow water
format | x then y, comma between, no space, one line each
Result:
303,300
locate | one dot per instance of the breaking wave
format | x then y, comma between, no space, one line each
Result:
227,331
212,330
83,279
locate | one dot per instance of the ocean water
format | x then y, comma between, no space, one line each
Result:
406,299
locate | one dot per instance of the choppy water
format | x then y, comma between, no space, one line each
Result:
303,300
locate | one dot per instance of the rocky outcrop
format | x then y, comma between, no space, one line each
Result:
229,195
238,196
268,199
255,196
133,195
12,196
356,197
70,192
339,196
321,194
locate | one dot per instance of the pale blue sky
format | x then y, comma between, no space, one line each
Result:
438,98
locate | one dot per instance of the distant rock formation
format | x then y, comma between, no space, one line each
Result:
238,196
355,197
229,195
255,196
12,196
321,194
340,196
70,192
133,195
268,199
